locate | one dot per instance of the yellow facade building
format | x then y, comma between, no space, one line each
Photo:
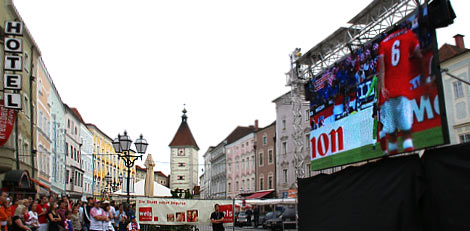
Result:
106,162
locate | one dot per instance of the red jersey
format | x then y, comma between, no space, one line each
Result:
397,49
42,219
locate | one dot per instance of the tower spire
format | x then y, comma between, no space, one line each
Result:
184,117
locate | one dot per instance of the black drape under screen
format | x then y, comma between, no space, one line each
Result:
447,202
382,195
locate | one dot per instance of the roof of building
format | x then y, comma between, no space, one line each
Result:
183,136
238,133
448,51
99,130
283,95
77,114
160,173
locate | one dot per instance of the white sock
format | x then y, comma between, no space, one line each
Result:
392,146
382,134
408,143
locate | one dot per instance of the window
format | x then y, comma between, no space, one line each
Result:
68,123
180,177
26,62
309,169
261,183
463,138
284,148
26,106
283,124
66,149
260,159
307,141
270,182
243,185
229,187
40,120
270,156
248,164
180,152
236,186
284,174
248,184
181,164
243,164
253,182
458,89
307,115
265,139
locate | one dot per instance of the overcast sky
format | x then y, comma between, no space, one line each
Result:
133,64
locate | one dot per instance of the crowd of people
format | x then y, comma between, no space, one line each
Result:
338,85
49,213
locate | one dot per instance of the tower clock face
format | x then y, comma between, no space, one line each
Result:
180,151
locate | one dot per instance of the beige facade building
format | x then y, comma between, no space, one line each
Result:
19,149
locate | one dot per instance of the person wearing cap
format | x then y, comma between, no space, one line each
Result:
133,225
97,217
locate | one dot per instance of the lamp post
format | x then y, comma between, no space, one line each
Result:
122,145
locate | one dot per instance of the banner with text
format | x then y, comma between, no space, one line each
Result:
169,211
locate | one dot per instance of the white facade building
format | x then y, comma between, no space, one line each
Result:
456,58
86,137
184,158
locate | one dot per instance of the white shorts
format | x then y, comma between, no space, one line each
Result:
397,115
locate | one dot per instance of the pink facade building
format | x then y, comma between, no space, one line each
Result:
240,159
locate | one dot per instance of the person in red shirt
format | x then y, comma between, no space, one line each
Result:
396,53
5,212
42,209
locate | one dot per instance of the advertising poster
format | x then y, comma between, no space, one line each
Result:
168,211
7,120
382,99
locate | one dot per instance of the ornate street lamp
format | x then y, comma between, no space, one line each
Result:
122,145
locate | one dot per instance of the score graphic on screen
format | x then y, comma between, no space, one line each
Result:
382,99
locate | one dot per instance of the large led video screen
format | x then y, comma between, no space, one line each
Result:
382,99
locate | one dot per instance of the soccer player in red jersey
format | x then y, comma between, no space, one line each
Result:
396,70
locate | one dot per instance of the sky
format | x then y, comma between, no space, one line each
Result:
133,65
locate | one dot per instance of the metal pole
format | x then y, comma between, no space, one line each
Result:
455,77
128,181
233,214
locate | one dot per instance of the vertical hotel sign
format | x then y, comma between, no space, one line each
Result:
13,63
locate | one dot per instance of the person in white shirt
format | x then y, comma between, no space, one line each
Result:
33,222
97,217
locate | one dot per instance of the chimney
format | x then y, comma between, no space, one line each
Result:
256,125
459,41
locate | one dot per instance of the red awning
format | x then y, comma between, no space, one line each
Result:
259,194
40,183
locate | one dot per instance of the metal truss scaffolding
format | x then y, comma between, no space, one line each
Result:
375,19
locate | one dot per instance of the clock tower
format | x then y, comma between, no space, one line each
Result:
184,158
